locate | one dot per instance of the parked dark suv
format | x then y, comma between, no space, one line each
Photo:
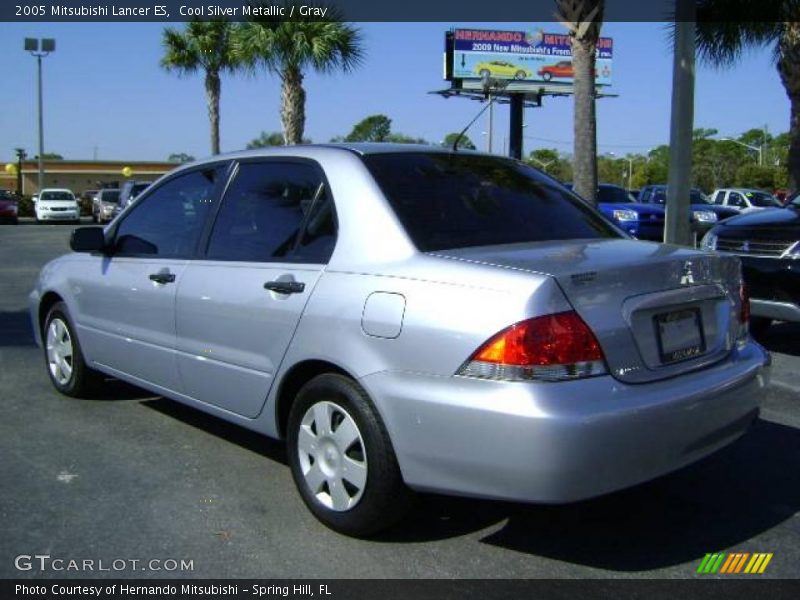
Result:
768,243
128,193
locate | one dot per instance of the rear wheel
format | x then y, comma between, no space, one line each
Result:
65,365
342,459
547,76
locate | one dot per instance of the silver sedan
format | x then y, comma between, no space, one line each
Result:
409,319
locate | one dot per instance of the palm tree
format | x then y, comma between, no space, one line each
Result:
289,48
206,46
583,19
726,28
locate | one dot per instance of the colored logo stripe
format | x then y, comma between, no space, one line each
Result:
734,562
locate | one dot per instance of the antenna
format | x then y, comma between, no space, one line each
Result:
487,82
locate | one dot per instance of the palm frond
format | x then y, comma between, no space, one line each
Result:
727,28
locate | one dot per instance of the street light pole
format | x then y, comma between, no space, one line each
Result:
759,149
48,45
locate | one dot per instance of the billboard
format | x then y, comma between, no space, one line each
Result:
529,56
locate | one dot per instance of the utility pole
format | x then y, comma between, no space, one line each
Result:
20,152
678,229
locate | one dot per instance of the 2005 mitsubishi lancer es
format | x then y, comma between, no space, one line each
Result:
409,318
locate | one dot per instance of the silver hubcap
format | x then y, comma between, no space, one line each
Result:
332,456
59,351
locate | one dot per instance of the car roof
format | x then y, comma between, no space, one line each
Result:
360,148
55,190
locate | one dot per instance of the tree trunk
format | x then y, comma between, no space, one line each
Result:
293,105
213,90
585,160
789,69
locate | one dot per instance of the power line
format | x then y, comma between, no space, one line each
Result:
569,143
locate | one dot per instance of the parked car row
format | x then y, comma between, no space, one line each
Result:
644,218
409,318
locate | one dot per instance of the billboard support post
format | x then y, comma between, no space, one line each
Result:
517,104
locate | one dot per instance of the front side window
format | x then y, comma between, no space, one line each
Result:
169,221
449,201
274,211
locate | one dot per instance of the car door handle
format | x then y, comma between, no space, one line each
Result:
162,277
285,287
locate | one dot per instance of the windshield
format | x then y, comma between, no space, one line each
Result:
612,193
762,199
447,201
57,196
695,196
110,196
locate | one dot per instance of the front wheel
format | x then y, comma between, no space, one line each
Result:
65,365
342,459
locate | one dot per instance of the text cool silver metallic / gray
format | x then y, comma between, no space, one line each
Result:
409,318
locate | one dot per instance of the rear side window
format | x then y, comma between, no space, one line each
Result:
456,201
275,211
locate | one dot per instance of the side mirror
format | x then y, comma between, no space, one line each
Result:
87,239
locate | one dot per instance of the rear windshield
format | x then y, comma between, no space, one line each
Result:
449,201
110,196
57,196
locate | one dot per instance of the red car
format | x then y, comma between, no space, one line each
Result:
8,207
560,69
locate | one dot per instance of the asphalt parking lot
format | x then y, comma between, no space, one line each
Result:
128,476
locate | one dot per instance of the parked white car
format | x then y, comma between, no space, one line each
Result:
57,205
745,200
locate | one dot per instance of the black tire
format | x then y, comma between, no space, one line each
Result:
547,76
82,380
759,325
485,73
383,499
520,75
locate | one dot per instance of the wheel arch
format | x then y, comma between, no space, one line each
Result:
49,299
291,382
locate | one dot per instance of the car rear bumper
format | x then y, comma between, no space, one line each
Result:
566,441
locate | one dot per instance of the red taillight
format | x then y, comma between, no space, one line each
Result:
559,346
744,311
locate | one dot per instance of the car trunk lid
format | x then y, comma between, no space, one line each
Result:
657,310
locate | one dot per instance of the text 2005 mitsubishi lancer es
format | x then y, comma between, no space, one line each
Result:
409,318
